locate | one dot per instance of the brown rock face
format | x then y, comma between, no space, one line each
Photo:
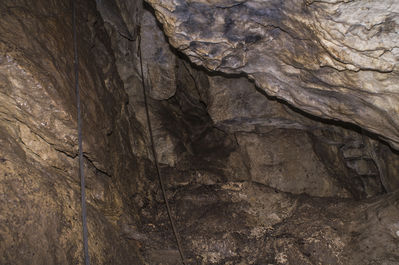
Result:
333,59
250,179
40,220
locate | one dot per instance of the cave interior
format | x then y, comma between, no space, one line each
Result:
268,153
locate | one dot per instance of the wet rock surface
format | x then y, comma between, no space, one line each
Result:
250,179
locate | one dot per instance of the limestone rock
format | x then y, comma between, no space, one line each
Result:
159,61
39,182
285,160
333,59
236,106
250,180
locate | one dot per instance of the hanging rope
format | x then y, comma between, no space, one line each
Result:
172,223
81,171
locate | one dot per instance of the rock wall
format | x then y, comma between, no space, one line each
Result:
250,179
40,219
237,164
333,59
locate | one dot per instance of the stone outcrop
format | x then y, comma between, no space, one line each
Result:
333,59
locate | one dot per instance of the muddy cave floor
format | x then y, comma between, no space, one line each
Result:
226,221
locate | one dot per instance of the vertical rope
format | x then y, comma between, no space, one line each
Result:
156,160
81,165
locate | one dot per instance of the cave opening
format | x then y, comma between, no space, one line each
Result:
274,146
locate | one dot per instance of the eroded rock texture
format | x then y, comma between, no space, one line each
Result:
40,220
333,59
237,169
250,179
